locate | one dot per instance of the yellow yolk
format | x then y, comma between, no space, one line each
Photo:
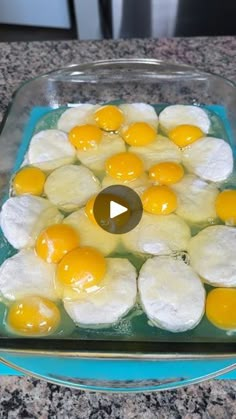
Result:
109,118
226,206
166,173
221,308
55,242
29,180
89,209
82,268
85,137
184,135
33,316
159,200
124,166
139,134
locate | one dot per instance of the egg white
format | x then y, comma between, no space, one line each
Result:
95,157
50,149
196,199
138,185
70,187
209,158
114,299
23,217
161,150
78,115
25,274
91,234
139,112
158,235
212,255
171,294
175,115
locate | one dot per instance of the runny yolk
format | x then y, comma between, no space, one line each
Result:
166,173
124,166
183,135
89,209
55,242
33,316
159,200
221,308
85,137
82,268
139,134
109,118
29,180
226,206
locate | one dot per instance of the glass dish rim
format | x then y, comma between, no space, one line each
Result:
44,346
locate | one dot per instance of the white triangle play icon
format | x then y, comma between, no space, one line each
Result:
116,209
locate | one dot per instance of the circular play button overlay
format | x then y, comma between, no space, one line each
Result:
117,209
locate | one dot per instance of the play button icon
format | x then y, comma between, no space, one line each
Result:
117,209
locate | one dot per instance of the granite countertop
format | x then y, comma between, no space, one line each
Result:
29,398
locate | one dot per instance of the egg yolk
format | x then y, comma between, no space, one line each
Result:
226,206
184,135
82,268
55,242
29,180
85,137
124,166
109,118
221,308
159,200
139,134
33,316
166,173
89,209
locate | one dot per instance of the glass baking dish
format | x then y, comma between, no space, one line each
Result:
133,80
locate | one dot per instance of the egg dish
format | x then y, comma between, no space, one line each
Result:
175,269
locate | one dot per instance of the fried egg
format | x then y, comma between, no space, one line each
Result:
78,115
139,112
69,187
226,206
114,299
29,180
85,137
184,135
212,255
124,166
159,200
195,199
171,294
109,117
94,158
23,217
90,233
139,134
33,316
175,115
166,173
158,235
24,275
209,158
50,149
55,241
161,150
220,308
81,270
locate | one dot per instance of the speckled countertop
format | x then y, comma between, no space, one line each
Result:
30,398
